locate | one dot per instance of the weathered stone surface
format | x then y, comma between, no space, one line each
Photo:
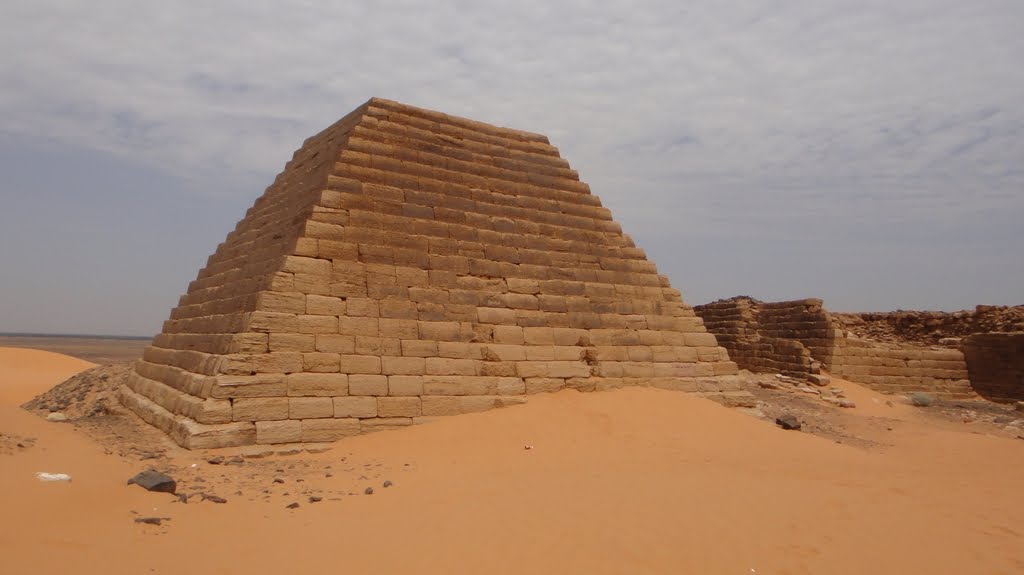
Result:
153,480
788,421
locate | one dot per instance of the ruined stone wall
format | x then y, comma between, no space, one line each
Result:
995,363
930,327
902,368
793,337
782,337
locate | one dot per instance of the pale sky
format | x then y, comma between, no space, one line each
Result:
870,153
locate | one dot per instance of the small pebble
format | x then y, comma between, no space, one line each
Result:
369,491
292,506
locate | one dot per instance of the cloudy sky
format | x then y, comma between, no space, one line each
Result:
870,153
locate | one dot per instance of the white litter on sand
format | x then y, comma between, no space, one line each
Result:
44,476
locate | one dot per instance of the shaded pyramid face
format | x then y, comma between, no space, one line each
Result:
409,264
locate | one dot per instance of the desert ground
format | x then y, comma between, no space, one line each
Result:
93,349
634,480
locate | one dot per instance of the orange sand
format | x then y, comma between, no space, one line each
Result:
25,373
628,481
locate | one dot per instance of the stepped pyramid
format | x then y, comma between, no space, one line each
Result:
409,264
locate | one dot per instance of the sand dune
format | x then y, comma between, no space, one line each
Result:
627,481
25,373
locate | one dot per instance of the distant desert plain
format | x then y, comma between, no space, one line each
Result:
634,480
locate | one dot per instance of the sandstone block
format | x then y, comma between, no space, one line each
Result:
285,431
362,307
439,405
384,423
405,385
494,315
291,342
317,384
306,265
539,336
360,364
398,407
310,407
265,385
459,385
334,343
353,406
317,430
367,385
559,369
260,409
398,309
321,362
213,411
278,362
320,305
543,384
314,324
403,365
446,366
378,346
509,334
289,303
419,348
273,322
399,328
367,326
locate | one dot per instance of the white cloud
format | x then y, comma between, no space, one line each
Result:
690,114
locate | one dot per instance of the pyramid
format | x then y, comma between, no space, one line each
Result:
409,264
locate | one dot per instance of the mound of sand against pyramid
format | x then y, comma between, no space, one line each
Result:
409,264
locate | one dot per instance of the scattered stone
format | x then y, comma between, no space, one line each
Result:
292,506
213,498
768,384
847,403
278,480
290,452
152,520
819,380
216,460
788,421
921,399
837,391
368,491
388,483
809,390
153,480
315,499
258,454
236,460
56,416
